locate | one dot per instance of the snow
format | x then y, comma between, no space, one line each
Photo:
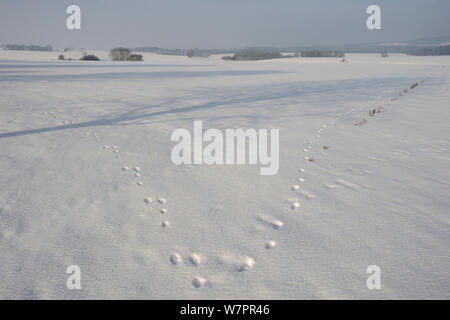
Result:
77,138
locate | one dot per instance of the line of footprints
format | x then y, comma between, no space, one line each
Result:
294,202
232,262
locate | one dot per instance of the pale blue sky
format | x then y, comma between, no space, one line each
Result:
218,23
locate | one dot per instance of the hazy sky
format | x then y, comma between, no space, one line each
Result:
218,23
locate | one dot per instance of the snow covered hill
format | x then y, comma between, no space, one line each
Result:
86,178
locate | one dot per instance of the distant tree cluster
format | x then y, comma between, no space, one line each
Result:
136,57
89,57
181,52
255,54
436,51
124,54
190,53
28,48
322,54
294,55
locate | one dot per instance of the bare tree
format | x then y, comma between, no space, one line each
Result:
120,54
136,57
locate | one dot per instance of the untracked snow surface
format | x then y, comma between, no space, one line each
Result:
86,179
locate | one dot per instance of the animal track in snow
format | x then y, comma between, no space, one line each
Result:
139,183
199,282
345,183
295,205
295,187
162,200
176,259
137,169
148,200
195,259
270,244
272,222
245,264
306,194
165,224
163,211
236,262
125,168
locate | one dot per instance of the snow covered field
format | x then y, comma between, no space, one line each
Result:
84,144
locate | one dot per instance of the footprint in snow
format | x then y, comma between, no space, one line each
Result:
175,258
195,259
162,200
345,183
245,264
272,222
236,262
165,224
306,194
199,282
295,205
270,244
